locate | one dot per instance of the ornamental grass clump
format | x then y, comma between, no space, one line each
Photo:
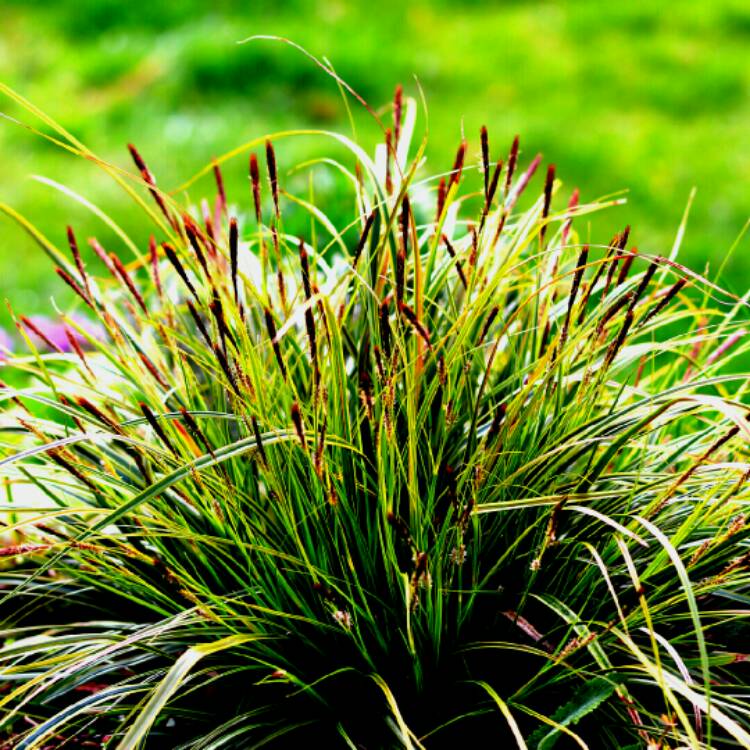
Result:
447,473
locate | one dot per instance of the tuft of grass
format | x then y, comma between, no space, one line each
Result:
440,475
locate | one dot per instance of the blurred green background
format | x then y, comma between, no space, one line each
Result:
653,97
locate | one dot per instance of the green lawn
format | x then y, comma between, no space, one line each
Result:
652,97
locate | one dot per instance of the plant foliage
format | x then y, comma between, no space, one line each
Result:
448,474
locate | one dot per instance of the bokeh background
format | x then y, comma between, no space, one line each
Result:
649,96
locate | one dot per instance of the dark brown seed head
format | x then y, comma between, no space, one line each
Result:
175,261
400,274
76,253
548,184
492,188
199,323
385,331
271,328
647,276
379,364
39,333
312,336
610,273
305,265
153,252
497,419
500,226
458,165
622,240
157,428
151,367
441,193
474,246
222,196
191,230
627,263
586,293
448,246
217,310
512,161
209,224
411,316
76,347
545,338
611,311
255,182
125,277
73,284
279,273
665,300
318,463
363,238
525,178
221,358
258,439
577,276
456,259
488,323
398,103
149,179
273,175
195,430
233,251
103,254
600,268
298,426
97,413
616,345
388,152
140,164
572,203
485,160
405,217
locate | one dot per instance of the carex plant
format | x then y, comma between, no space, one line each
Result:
449,472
